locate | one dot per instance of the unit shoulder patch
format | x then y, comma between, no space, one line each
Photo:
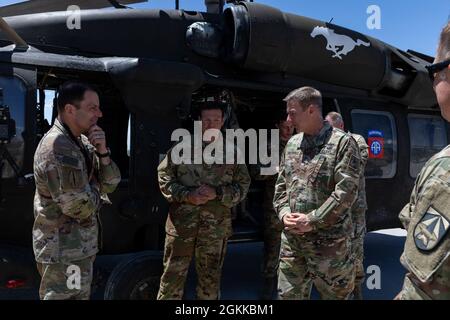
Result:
430,230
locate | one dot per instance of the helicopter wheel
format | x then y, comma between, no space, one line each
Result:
135,279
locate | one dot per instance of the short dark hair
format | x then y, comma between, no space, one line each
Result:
71,92
336,118
212,105
305,96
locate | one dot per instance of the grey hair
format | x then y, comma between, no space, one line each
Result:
336,119
305,96
443,51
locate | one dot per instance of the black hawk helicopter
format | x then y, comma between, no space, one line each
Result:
151,67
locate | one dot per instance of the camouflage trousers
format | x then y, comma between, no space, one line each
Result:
359,221
358,249
59,281
272,241
327,264
209,255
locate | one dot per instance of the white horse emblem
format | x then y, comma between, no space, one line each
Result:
337,41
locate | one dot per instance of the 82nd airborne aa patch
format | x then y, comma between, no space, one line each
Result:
430,230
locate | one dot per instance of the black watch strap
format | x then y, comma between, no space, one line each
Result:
103,155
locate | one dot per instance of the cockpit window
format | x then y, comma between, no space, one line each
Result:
427,136
378,128
14,93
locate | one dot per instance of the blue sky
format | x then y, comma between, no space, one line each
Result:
406,24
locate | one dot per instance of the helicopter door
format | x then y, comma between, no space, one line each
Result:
383,126
17,144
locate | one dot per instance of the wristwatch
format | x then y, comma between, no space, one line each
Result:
103,155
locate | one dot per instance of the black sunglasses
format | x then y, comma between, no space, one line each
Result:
435,68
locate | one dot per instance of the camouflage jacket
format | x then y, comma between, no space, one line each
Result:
427,219
68,197
185,219
269,180
360,205
319,176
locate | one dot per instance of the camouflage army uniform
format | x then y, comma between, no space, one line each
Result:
201,231
427,219
272,225
66,204
359,213
318,176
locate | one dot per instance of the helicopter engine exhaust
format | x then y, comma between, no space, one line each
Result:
263,38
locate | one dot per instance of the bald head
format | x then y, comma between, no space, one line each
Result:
335,119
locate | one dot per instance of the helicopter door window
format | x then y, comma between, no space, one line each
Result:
14,93
378,128
427,136
48,108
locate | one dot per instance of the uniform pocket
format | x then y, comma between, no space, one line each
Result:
71,173
182,221
45,241
78,239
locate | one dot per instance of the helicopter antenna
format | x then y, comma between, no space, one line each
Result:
331,20
117,5
177,4
12,34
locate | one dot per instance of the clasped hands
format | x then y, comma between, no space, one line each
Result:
297,223
201,195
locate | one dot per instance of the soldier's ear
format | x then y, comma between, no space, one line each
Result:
70,108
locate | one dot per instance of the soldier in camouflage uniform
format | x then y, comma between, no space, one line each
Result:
199,220
73,173
427,216
359,207
316,186
272,225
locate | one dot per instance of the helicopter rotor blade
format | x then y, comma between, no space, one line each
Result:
12,34
39,6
